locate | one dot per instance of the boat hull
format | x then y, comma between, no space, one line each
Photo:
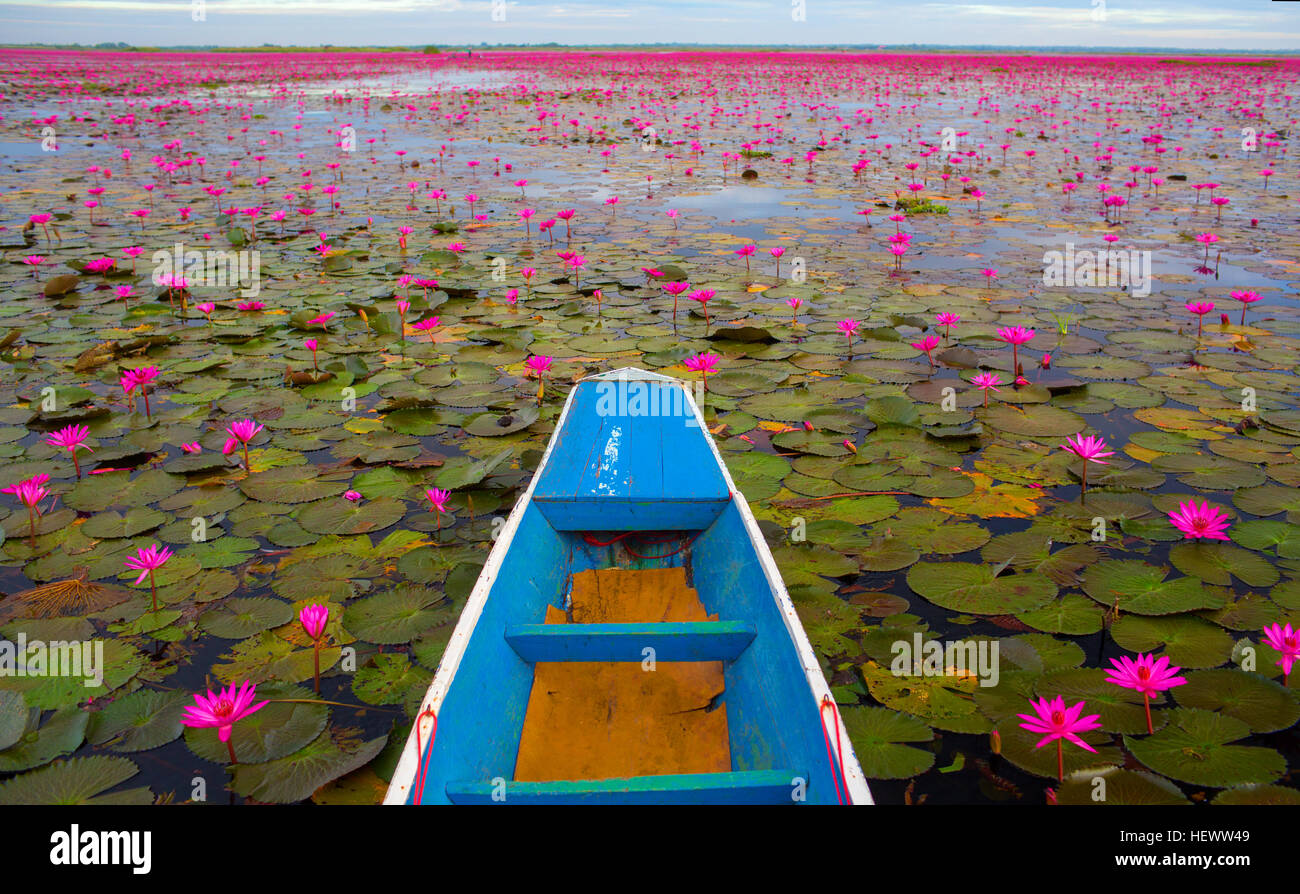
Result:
786,742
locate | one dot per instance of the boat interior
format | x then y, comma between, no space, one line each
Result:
630,649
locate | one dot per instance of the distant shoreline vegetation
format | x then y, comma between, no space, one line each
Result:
120,46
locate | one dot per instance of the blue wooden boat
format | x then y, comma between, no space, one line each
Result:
629,640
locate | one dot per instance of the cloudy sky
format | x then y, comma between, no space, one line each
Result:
1193,24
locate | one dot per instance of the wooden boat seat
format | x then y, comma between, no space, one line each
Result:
600,478
626,716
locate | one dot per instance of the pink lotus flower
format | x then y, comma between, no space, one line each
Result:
795,304
745,252
313,619
147,560
352,496
1015,336
438,498
427,325
675,289
848,327
1246,298
70,438
30,492
1147,674
192,447
702,364
311,344
321,320
1287,642
1059,723
987,382
242,431
539,365
1201,308
704,296
1200,521
223,711
1090,449
926,345
947,321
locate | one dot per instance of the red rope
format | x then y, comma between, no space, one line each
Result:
422,763
592,541
837,767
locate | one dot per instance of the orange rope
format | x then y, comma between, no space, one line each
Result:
837,767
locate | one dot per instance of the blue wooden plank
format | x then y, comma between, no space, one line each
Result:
624,449
678,641
618,451
750,787
571,449
620,515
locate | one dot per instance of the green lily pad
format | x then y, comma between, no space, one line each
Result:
334,516
240,618
291,484
1143,589
139,721
112,524
1121,787
394,616
967,587
1263,705
386,679
331,755
1265,534
82,780
13,717
61,734
1071,614
1189,641
1218,562
1194,747
1258,794
943,701
878,735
